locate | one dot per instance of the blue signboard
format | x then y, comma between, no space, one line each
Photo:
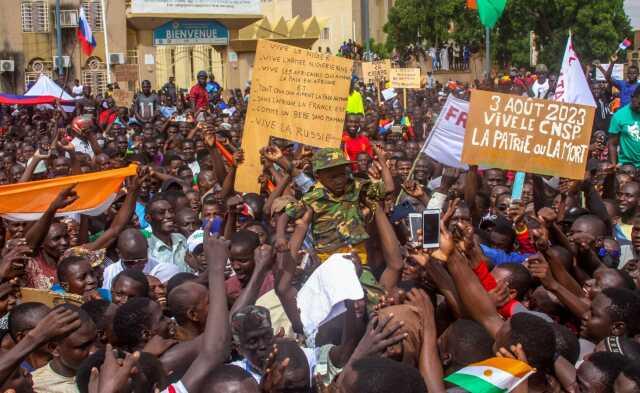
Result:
191,32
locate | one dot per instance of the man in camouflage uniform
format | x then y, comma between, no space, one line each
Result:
337,201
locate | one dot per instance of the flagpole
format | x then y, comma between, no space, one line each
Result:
59,62
106,40
487,56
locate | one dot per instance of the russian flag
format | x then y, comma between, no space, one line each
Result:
85,35
625,44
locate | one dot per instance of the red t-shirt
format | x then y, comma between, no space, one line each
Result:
233,287
198,95
107,117
353,146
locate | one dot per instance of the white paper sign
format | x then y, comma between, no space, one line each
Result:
148,59
618,72
389,93
446,139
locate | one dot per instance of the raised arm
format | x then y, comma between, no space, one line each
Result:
284,271
614,141
56,323
36,234
264,258
121,219
230,178
430,365
31,166
216,343
539,268
390,250
475,299
352,331
385,172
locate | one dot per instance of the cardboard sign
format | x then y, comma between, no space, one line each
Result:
376,71
123,97
126,72
296,94
405,78
49,298
529,135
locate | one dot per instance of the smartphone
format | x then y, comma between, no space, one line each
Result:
431,228
415,223
396,129
518,184
401,211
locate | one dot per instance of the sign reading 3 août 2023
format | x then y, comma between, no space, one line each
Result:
191,32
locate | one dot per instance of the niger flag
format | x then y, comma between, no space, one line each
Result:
96,191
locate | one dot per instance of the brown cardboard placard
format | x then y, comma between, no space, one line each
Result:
296,94
528,135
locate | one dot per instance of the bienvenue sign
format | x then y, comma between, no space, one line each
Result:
191,33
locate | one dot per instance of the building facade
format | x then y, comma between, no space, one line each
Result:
164,39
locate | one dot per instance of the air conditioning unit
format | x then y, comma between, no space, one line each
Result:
116,58
69,18
7,66
66,61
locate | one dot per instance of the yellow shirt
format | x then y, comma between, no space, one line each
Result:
45,380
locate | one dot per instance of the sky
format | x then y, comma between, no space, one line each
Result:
632,7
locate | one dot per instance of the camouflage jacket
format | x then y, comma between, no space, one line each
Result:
338,221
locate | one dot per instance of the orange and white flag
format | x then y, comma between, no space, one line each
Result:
96,191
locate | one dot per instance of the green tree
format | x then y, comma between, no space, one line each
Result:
597,27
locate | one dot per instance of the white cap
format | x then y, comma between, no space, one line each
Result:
196,239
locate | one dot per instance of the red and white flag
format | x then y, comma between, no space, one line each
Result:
624,45
572,86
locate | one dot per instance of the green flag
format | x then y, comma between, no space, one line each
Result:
490,11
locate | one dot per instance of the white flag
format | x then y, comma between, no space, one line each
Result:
445,141
572,86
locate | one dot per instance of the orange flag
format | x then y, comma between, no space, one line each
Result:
96,191
472,4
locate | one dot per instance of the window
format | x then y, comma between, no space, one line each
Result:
132,56
93,10
325,34
95,75
35,16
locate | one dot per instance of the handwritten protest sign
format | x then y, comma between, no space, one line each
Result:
376,71
122,97
405,78
529,135
296,94
126,72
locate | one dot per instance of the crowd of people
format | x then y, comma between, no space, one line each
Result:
317,282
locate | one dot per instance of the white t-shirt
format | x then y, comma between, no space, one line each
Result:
77,90
161,271
540,89
177,387
82,147
111,271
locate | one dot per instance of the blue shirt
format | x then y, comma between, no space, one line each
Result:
140,212
498,257
626,90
